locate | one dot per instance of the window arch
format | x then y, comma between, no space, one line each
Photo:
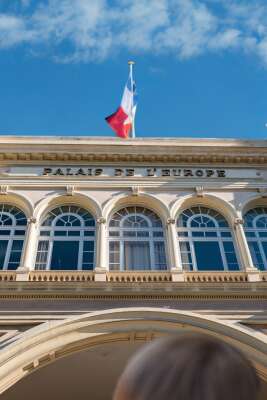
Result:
136,240
205,240
13,224
255,226
66,240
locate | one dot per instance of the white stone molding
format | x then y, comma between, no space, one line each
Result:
23,356
135,190
208,200
173,251
199,191
101,264
70,190
57,199
144,200
243,250
3,190
263,192
29,248
101,220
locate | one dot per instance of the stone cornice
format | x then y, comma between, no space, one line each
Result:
106,150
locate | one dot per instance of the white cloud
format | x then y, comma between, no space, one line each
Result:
92,30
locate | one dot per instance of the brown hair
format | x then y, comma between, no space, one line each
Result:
190,367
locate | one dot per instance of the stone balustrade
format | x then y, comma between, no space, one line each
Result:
61,276
131,276
139,276
211,276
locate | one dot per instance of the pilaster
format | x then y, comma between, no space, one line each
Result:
27,262
101,251
244,252
174,252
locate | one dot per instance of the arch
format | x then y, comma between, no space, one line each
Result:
206,241
18,200
253,202
66,239
47,343
13,226
78,199
146,200
255,228
209,201
136,240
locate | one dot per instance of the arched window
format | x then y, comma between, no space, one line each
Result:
136,240
255,225
67,240
13,224
205,240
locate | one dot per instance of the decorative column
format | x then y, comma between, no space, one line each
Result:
30,242
101,251
244,252
174,252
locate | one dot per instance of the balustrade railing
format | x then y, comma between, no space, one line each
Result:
211,277
131,276
139,276
61,276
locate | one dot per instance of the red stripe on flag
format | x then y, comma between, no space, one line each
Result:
116,122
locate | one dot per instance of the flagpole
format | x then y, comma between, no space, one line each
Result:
131,64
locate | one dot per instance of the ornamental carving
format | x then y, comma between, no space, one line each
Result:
31,220
238,221
101,220
135,190
70,190
3,190
199,191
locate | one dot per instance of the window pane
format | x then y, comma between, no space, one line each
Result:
114,256
186,256
264,246
160,257
4,233
256,255
230,255
15,255
60,233
208,256
88,246
158,234
182,234
3,247
226,234
198,234
42,252
137,256
211,234
89,233
20,233
65,255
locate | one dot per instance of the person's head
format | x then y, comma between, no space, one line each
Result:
190,367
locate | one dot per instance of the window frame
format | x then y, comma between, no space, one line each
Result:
51,238
122,239
12,237
259,240
217,238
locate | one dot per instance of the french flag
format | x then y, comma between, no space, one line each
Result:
122,121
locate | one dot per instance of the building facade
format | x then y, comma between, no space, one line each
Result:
106,244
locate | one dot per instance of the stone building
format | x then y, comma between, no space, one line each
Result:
106,244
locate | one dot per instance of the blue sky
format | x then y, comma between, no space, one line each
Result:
201,66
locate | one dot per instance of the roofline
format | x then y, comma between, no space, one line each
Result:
148,141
